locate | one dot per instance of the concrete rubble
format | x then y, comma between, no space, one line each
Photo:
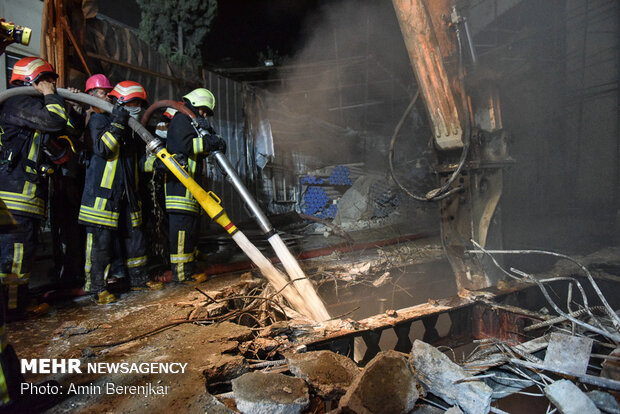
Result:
440,376
569,399
570,353
386,385
224,367
212,405
328,374
604,401
257,392
392,383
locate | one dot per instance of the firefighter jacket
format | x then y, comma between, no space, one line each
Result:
184,142
111,181
29,148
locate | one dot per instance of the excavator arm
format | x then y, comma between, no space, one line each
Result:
467,132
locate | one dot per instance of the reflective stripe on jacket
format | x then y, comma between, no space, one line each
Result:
111,175
24,122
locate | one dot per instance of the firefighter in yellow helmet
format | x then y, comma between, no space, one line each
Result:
188,143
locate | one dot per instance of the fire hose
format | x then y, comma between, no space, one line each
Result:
207,200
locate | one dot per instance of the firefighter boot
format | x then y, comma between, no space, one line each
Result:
105,297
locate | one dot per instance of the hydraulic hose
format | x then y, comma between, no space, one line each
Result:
433,195
208,201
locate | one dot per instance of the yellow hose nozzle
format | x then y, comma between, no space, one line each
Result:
207,200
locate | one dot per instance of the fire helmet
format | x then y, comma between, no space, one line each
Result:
201,97
169,113
127,91
29,69
97,81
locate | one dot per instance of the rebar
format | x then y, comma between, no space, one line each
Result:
609,309
559,319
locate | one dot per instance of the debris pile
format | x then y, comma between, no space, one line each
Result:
398,383
570,365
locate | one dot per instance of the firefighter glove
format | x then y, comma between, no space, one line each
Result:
181,159
120,116
204,124
216,143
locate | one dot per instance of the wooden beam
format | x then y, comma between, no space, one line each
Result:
65,25
143,70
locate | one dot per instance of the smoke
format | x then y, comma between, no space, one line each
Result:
340,96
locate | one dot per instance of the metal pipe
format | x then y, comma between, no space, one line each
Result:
470,43
260,217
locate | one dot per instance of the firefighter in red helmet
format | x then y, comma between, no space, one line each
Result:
29,153
111,209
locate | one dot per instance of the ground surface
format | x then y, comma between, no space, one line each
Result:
73,330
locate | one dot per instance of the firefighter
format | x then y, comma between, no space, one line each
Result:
29,153
99,86
67,185
111,209
191,143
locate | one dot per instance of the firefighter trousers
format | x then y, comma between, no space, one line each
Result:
100,253
184,229
10,374
17,252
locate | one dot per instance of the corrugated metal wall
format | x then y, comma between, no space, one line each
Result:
230,124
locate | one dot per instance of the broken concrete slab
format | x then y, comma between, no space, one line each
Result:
328,374
264,345
439,376
569,353
604,401
224,367
386,385
454,410
569,399
276,328
257,392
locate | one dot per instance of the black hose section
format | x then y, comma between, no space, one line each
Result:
391,151
82,98
437,194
